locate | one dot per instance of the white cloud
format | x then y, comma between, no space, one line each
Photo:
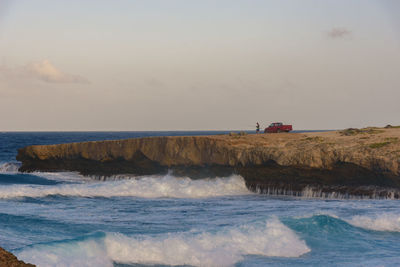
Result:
337,33
47,72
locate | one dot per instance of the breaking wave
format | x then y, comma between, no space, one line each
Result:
380,222
146,187
9,167
13,167
223,248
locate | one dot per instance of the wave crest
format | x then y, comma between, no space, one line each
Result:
381,222
223,248
146,187
9,167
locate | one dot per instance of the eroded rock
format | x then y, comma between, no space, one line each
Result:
325,161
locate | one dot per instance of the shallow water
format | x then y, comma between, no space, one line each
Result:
65,219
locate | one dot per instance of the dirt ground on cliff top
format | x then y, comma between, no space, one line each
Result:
370,137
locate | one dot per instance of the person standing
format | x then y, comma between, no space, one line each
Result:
257,128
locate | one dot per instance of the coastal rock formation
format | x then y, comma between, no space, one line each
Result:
356,162
9,260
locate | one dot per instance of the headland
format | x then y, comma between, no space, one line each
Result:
352,162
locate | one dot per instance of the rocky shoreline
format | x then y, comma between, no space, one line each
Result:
9,260
362,162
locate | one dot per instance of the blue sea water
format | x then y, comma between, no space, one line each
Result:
65,219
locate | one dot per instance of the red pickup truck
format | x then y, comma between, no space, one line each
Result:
278,127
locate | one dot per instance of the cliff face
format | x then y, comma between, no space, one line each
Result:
365,158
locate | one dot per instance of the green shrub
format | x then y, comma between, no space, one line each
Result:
379,145
388,140
355,131
318,139
392,139
237,134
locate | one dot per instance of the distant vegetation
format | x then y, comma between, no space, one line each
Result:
237,134
388,141
378,145
355,131
318,139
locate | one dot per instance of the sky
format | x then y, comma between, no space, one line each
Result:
128,65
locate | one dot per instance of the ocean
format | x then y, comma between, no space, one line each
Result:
65,219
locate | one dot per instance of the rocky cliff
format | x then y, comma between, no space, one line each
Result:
356,162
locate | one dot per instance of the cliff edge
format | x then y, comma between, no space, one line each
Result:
354,161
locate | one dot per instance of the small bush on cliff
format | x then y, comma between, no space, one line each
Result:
237,134
318,139
390,126
355,131
378,145
350,131
388,140
372,130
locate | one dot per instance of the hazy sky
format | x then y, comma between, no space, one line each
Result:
198,65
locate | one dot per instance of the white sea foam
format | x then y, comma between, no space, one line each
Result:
64,176
146,187
83,254
12,168
9,167
223,248
380,222
319,213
